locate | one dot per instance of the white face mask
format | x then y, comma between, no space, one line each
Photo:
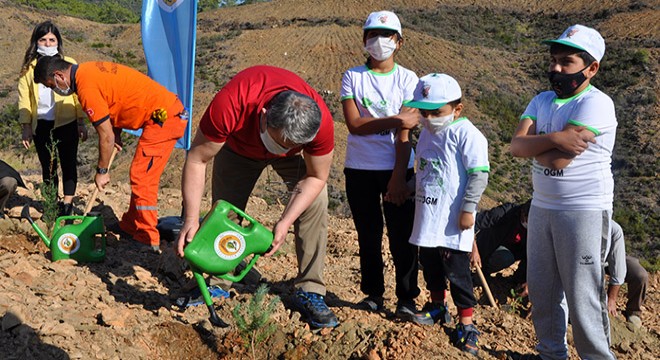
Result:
435,125
62,92
380,48
524,224
271,145
47,50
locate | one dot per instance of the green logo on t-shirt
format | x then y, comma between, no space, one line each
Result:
366,102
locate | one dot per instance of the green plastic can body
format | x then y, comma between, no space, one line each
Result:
221,244
82,240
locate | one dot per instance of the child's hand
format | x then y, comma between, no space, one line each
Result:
409,118
465,220
574,140
475,259
397,192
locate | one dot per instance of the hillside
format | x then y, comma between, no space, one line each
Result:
492,50
121,308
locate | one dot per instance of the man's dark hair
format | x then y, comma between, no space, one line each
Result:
46,67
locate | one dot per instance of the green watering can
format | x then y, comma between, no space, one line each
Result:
81,238
219,247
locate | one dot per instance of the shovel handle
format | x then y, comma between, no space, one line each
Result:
486,287
95,193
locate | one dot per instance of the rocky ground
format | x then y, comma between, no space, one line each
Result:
122,308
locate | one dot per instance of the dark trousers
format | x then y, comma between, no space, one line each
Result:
66,138
636,278
365,190
442,264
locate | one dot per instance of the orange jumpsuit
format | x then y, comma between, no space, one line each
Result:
128,98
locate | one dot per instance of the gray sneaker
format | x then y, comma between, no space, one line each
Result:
371,303
407,311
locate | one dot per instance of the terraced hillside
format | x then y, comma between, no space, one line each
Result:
491,47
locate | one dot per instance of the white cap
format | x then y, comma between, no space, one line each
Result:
383,20
582,38
434,91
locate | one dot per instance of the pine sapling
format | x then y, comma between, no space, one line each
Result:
49,190
254,322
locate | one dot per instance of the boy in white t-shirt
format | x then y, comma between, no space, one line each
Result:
379,162
569,132
452,173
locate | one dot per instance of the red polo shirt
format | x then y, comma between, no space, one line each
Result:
233,115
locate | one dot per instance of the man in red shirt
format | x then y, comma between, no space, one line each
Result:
269,116
116,97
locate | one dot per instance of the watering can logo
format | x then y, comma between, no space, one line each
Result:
229,245
68,243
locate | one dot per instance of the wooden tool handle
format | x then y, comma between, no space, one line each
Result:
90,202
486,287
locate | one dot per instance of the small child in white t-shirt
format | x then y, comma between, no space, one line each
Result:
452,173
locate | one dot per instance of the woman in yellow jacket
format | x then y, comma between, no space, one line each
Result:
48,117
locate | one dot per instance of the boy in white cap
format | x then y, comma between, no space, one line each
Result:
452,173
569,133
379,161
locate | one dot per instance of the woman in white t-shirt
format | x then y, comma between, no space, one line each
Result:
48,117
379,161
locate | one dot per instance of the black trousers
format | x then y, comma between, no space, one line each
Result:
442,264
365,190
66,138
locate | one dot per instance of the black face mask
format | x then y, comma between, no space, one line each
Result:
565,85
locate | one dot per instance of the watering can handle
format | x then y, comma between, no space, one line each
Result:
241,213
95,193
58,222
241,275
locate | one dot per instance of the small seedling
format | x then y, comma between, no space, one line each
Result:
254,322
49,191
516,303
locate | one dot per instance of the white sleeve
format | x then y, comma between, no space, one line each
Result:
531,112
409,88
616,258
595,112
474,147
346,91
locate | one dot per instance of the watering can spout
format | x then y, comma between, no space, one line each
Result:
25,214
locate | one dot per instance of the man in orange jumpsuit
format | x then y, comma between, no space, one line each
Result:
116,97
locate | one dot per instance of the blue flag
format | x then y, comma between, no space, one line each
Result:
168,38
